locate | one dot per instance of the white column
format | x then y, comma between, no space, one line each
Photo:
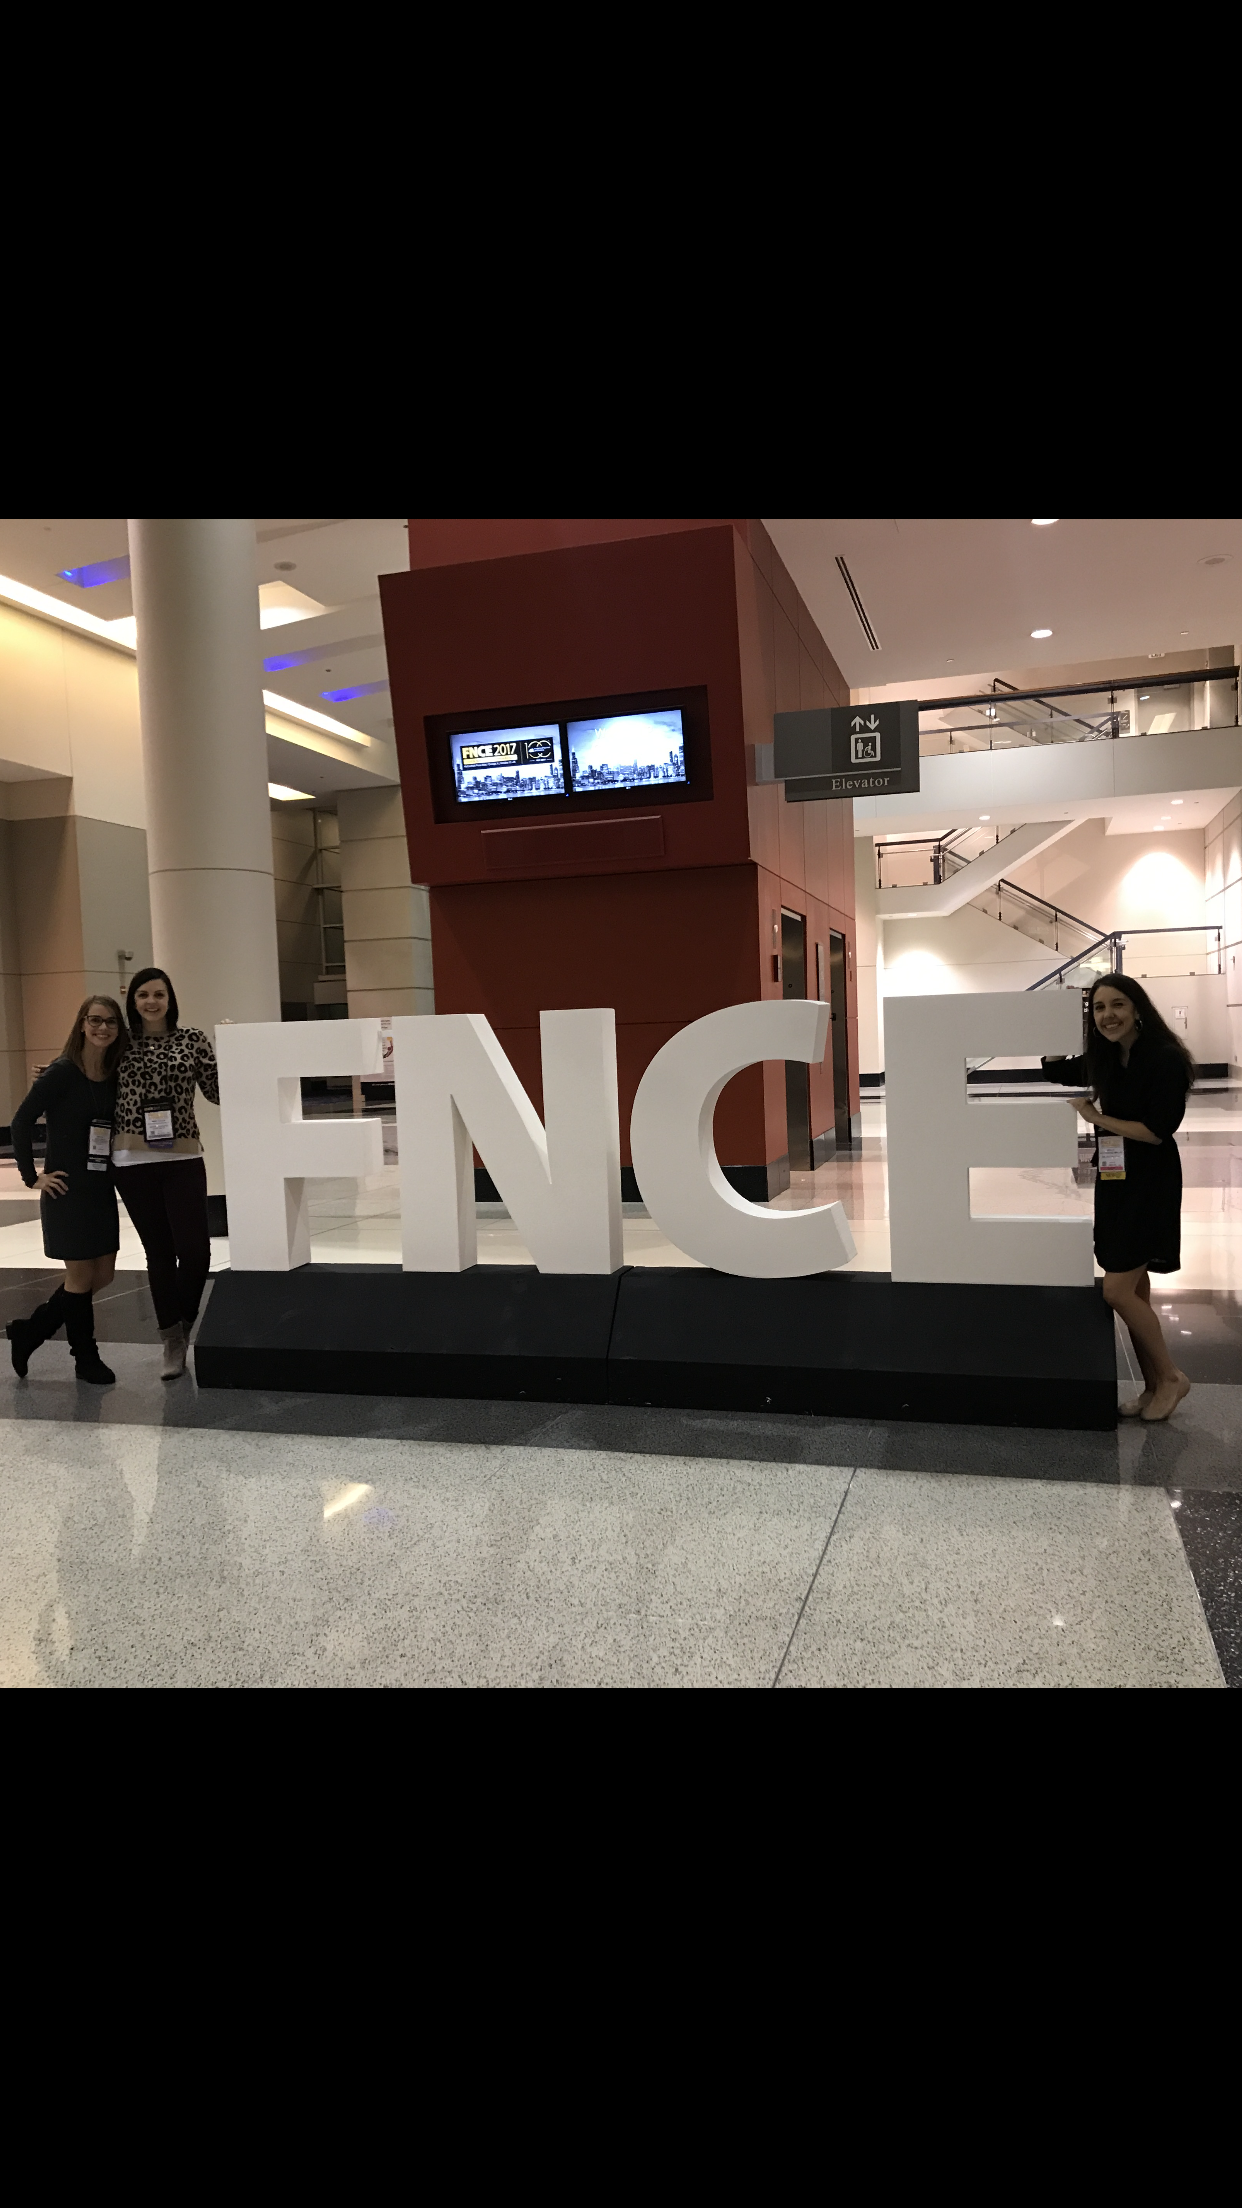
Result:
204,750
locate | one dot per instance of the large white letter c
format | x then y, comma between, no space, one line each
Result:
675,1163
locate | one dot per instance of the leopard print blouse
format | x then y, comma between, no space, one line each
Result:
164,1065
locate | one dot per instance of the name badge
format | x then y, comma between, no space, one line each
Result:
1112,1158
157,1119
100,1149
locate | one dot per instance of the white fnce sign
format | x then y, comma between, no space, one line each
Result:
561,1177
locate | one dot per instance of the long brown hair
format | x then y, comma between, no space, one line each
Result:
1102,1055
117,1047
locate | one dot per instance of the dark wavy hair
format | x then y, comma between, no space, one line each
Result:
1154,1032
117,1047
149,973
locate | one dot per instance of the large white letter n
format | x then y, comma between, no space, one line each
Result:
561,1181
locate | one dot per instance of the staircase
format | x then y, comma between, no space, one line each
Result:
1039,920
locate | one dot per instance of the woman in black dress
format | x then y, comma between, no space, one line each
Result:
1140,1075
77,1199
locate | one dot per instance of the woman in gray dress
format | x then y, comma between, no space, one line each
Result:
77,1193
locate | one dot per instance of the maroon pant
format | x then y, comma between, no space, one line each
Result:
168,1205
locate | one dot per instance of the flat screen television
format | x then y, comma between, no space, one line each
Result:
494,763
573,755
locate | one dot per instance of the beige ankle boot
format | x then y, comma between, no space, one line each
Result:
174,1340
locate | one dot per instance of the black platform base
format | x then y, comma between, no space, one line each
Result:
855,1345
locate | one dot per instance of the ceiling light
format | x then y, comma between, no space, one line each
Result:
72,617
1044,524
985,816
101,571
359,690
1144,697
277,789
310,719
1217,559
1041,632
1179,801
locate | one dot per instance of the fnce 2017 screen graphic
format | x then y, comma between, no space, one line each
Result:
626,750
508,762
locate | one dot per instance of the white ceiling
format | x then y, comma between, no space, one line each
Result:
966,594
949,599
336,562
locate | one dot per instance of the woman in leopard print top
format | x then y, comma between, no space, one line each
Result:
160,1174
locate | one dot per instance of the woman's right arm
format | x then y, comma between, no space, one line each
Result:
1070,1072
25,1119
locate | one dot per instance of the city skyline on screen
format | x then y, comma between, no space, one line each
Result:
626,750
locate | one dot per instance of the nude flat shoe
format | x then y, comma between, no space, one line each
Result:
1166,1399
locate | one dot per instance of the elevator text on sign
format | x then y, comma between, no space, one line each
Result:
561,1177
847,751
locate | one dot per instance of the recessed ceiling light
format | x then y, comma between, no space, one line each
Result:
985,816
277,789
285,567
1144,697
289,710
1044,524
1179,801
1041,632
1217,559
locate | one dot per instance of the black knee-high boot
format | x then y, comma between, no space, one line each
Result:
25,1335
80,1329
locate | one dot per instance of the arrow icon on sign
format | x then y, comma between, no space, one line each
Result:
858,722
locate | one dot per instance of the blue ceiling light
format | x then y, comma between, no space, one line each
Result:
356,690
101,571
280,660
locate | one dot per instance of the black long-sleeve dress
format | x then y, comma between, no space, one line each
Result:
1138,1221
84,1221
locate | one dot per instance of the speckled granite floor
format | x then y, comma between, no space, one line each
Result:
153,1535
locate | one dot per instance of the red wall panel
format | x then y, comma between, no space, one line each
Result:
523,613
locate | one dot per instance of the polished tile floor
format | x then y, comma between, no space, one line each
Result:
159,1535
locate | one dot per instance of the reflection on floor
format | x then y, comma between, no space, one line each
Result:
151,1534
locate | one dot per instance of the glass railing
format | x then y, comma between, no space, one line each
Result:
1144,953
1036,918
1205,698
922,862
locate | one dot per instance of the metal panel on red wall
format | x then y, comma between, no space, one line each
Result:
599,620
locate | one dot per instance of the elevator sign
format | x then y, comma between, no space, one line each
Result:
847,751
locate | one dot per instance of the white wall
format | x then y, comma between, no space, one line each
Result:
868,959
387,917
1149,880
965,951
1223,901
68,708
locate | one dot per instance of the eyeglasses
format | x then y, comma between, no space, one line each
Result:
93,1020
